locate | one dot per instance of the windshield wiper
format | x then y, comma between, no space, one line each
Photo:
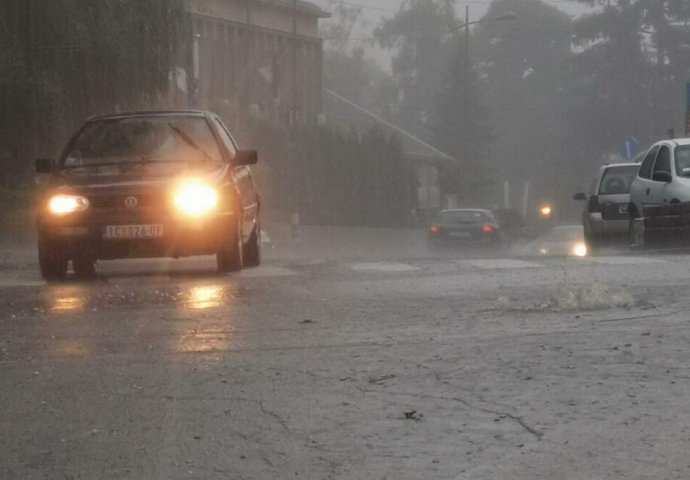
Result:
189,141
110,164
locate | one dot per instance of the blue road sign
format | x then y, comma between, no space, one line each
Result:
629,148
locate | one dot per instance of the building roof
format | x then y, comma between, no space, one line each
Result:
302,6
340,110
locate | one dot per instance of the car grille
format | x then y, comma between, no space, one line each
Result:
118,201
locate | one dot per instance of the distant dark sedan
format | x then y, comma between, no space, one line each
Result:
465,227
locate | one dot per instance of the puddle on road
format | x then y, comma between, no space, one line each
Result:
570,298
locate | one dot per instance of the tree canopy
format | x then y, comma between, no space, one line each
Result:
64,60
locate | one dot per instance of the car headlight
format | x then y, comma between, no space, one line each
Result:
66,204
580,250
195,198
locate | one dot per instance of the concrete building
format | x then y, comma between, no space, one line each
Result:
258,57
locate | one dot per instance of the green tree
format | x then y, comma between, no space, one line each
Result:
64,60
524,66
461,126
416,35
632,68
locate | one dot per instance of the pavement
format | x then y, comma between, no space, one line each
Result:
350,354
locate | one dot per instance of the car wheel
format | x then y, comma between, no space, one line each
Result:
252,251
229,257
636,233
84,267
593,242
52,261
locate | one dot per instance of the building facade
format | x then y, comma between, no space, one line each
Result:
256,57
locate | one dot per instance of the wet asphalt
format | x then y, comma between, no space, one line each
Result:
348,358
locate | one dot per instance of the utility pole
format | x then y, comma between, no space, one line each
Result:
294,218
293,107
29,51
466,86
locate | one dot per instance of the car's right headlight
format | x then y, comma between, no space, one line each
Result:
195,198
66,204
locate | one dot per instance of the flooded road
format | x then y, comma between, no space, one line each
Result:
348,366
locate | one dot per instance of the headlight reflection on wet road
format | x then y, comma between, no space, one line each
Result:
205,297
66,300
210,336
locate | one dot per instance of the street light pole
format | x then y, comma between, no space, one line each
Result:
466,86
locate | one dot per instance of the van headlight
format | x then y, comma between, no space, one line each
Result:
195,198
66,204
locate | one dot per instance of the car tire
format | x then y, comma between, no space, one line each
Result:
230,255
593,242
52,261
252,250
84,267
636,234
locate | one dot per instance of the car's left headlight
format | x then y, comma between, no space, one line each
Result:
65,204
195,198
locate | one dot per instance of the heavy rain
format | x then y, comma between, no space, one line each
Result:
344,239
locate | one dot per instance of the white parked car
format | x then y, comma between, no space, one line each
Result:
662,180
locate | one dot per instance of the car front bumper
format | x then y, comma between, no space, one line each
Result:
85,236
601,227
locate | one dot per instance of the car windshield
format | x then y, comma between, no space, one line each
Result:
683,161
461,216
617,180
164,139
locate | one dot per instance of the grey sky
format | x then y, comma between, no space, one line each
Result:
374,11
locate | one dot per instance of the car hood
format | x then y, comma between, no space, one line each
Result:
109,178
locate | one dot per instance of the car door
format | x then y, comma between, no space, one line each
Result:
642,186
658,188
246,188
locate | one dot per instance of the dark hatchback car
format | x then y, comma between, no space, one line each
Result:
465,227
151,184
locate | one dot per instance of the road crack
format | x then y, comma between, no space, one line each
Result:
515,418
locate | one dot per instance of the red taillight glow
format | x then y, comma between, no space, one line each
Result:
488,229
434,229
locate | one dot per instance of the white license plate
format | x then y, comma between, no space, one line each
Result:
133,231
459,234
623,209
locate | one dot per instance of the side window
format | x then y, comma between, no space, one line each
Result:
648,164
225,138
663,161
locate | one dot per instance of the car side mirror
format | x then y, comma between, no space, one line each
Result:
580,196
44,165
662,176
246,157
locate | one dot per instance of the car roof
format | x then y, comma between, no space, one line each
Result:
681,141
480,210
622,164
152,113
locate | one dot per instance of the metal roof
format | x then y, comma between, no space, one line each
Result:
350,115
153,113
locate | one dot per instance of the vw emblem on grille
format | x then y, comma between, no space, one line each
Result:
131,202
